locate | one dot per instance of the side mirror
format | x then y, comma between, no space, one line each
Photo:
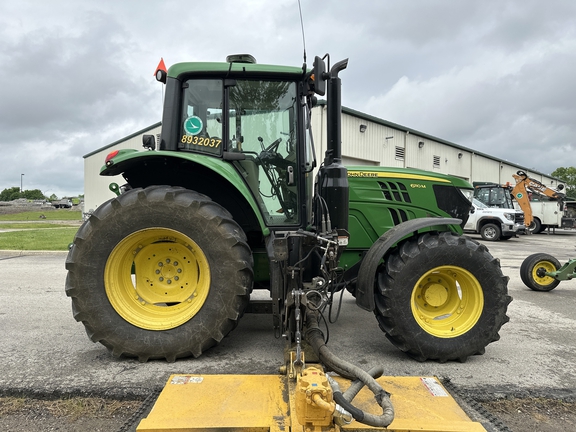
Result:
472,210
319,71
149,142
161,76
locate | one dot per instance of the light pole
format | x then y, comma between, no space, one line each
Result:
21,175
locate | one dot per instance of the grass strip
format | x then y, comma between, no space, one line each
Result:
33,225
54,239
58,214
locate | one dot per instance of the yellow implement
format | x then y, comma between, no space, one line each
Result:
250,403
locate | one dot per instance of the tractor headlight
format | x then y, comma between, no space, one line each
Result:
509,216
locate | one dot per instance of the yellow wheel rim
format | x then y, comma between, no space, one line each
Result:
548,268
157,278
447,301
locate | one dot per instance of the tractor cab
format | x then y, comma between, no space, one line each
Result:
252,116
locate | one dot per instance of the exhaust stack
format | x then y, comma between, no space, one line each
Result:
333,175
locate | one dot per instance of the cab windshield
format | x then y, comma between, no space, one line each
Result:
262,125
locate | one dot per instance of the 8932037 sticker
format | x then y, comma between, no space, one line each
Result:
201,141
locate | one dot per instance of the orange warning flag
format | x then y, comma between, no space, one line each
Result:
161,66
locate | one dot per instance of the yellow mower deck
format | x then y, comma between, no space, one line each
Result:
266,403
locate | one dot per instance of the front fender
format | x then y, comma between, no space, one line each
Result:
132,164
370,262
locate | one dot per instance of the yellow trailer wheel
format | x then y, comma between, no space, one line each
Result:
533,272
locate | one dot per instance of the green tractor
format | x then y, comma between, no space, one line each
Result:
233,201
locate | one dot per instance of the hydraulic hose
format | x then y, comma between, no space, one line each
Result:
315,338
356,386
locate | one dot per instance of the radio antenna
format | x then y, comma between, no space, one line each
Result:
302,26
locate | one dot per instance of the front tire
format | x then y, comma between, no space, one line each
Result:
533,269
161,272
441,297
490,232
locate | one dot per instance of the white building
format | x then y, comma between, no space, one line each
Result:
366,140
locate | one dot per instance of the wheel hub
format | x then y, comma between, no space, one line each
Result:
541,272
157,278
435,294
447,301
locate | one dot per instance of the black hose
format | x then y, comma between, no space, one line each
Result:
357,413
357,385
315,338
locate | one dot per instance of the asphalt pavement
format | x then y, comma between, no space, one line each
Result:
44,351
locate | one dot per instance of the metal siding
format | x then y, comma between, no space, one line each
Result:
370,147
377,144
506,173
484,169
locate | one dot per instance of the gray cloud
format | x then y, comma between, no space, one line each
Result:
493,76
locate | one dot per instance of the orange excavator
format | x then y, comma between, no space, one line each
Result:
523,189
543,206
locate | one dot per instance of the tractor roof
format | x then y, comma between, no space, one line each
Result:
234,68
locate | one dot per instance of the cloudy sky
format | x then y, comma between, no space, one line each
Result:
495,76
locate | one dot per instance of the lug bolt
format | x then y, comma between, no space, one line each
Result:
157,271
169,281
175,263
167,260
176,278
161,279
179,270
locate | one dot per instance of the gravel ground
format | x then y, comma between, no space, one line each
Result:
96,414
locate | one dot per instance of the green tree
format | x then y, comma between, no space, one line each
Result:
10,194
568,176
34,194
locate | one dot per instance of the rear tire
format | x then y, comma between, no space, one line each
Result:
532,269
490,232
161,272
441,297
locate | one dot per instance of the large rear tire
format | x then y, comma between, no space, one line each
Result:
161,272
533,269
441,297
